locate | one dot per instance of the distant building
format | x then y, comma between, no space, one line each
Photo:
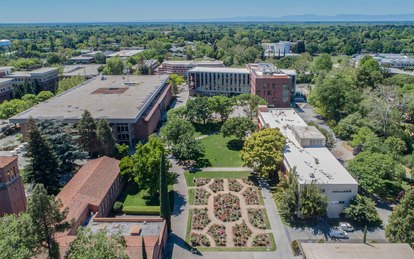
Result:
278,50
271,84
152,64
274,85
81,60
132,105
341,250
5,44
218,80
12,195
181,67
6,89
46,77
387,60
127,52
306,152
85,70
91,194
4,71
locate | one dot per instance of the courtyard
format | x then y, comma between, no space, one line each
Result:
221,151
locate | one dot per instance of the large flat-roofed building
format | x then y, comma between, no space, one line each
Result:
356,251
218,80
181,67
46,78
90,195
126,53
132,105
12,195
306,152
82,59
6,89
271,83
85,70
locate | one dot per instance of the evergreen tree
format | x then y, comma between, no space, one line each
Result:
43,165
87,132
313,203
48,218
105,138
62,143
165,210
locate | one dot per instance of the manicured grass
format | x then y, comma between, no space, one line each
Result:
221,152
266,218
189,177
191,196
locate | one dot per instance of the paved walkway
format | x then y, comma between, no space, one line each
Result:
222,169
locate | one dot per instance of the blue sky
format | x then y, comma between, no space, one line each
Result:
139,10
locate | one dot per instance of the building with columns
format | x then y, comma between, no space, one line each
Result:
12,195
181,67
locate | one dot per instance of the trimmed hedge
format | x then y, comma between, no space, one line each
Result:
142,210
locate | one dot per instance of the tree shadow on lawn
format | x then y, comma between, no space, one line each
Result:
209,128
235,144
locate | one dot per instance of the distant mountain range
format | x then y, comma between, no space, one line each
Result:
307,18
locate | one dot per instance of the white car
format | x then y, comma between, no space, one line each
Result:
346,226
338,233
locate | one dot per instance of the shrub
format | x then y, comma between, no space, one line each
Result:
296,248
141,210
118,206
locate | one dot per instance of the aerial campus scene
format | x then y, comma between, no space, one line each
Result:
207,129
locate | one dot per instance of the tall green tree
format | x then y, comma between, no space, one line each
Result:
362,210
87,133
322,63
176,130
369,72
68,83
105,138
221,105
313,203
176,80
188,149
263,152
114,66
400,223
42,167
198,109
143,167
62,143
165,209
97,245
287,194
238,126
250,103
48,218
335,97
17,237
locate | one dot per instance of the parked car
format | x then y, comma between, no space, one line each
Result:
346,226
336,232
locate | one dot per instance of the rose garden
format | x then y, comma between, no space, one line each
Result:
228,214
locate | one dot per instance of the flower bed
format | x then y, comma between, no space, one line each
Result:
218,233
227,207
248,182
261,240
256,217
234,185
199,240
217,185
251,196
241,233
200,219
201,196
201,181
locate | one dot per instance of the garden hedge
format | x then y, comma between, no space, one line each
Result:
142,210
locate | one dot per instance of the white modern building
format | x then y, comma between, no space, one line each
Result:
278,50
219,80
387,60
306,152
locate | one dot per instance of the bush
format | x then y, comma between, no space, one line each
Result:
118,206
296,248
142,210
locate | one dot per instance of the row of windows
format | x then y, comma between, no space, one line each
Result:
341,191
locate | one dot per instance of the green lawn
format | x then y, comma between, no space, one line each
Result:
189,177
133,196
222,152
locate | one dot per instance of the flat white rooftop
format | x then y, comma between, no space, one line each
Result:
109,99
220,70
81,70
196,62
126,53
312,163
356,251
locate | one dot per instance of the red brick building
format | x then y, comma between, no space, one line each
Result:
90,195
271,84
12,195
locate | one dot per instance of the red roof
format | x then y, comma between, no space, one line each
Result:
89,186
6,160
